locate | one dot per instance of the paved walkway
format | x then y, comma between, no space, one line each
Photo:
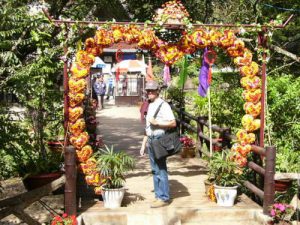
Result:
121,127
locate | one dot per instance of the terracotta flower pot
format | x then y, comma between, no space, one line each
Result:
36,181
56,146
188,152
282,185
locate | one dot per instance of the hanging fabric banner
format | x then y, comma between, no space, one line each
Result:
183,72
205,74
167,75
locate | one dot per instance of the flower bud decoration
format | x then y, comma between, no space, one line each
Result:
244,137
117,33
94,179
214,36
252,109
251,70
77,86
251,95
77,127
75,99
249,123
244,60
79,141
200,39
84,154
75,113
103,38
79,71
84,59
239,159
251,82
88,167
243,150
228,39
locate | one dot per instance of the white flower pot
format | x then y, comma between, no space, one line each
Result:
112,198
225,195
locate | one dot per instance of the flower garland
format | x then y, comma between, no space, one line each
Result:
168,53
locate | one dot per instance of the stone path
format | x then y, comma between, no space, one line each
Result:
121,127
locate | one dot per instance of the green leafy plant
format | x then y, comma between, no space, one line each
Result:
223,170
287,161
113,165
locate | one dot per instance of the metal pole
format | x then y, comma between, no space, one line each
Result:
57,22
209,122
269,190
70,186
262,41
66,91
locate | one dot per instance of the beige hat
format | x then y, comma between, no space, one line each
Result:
151,85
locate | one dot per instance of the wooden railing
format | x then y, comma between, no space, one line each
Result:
225,136
268,153
17,204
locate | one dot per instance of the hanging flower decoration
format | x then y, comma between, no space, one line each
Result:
172,12
168,52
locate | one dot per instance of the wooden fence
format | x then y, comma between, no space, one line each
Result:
17,204
225,138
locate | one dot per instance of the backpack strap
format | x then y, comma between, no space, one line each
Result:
157,110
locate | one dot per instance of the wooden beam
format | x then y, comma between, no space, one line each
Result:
292,176
5,212
285,52
34,195
254,189
25,217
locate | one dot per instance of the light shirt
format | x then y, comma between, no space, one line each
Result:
165,114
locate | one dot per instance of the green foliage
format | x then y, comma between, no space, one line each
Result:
287,161
183,72
113,165
223,169
284,111
18,151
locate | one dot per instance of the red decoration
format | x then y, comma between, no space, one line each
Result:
210,57
119,58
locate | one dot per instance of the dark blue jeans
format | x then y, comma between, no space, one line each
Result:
160,174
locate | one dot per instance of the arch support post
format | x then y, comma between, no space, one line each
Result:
70,186
262,42
269,183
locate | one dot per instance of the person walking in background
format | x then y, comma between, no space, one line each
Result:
100,89
124,86
155,128
111,87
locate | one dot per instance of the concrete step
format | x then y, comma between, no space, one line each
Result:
167,216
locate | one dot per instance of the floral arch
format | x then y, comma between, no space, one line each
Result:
146,39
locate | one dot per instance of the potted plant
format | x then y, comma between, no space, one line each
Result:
281,213
226,174
188,147
113,165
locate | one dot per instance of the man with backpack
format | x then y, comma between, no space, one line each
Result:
159,118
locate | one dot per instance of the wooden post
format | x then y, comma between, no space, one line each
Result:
200,130
269,190
70,186
182,118
262,42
